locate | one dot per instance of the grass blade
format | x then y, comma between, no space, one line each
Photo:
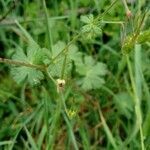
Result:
48,26
5,142
71,132
107,130
31,140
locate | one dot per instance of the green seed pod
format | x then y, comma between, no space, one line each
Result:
128,45
127,48
144,37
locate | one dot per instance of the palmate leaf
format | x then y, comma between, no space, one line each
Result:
32,75
92,73
55,68
34,55
87,19
22,73
124,103
92,28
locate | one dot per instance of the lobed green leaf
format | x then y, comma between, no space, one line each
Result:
92,73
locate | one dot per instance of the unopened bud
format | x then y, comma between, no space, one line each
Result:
129,14
60,85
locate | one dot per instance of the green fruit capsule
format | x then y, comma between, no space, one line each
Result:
144,37
128,45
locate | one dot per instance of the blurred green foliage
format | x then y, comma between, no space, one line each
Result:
99,94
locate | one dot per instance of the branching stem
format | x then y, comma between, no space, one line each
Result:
66,47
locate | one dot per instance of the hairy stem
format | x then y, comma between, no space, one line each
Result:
63,67
126,6
20,63
106,11
66,47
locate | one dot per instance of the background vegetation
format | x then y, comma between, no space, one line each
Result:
75,75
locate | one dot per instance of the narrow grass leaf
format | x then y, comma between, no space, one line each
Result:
5,142
31,140
107,130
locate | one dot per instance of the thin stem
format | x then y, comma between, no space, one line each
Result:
46,107
66,48
71,131
63,67
142,138
140,24
49,75
106,11
68,121
63,102
126,6
113,22
131,76
107,130
55,125
9,10
20,63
